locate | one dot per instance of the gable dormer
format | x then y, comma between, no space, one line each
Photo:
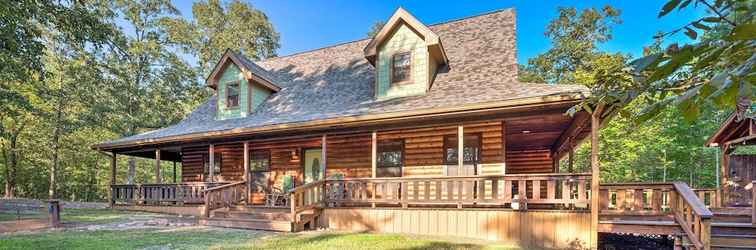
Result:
240,85
406,55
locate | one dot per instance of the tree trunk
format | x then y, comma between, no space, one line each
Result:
11,156
132,170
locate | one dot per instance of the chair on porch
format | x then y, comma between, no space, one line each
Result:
279,196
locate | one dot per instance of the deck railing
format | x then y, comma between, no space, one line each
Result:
224,196
308,196
708,196
183,193
673,199
490,190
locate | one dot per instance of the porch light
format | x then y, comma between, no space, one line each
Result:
526,131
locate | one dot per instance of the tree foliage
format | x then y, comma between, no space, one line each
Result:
216,27
716,67
82,72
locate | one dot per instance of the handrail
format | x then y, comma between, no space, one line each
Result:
541,176
697,205
178,193
693,216
224,196
307,196
224,186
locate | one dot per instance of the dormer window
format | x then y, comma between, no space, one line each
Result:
401,67
232,94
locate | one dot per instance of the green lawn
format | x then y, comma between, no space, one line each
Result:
197,237
78,215
204,238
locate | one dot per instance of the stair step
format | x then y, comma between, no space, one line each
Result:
269,225
277,216
738,241
729,247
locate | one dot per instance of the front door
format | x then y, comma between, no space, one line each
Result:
313,165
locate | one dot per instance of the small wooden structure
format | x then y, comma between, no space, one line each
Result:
737,171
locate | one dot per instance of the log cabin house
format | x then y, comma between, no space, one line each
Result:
419,129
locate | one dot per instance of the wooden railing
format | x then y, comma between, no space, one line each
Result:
675,199
692,215
224,196
753,202
308,196
635,198
183,193
708,196
495,190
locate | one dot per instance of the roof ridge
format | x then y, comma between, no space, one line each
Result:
368,38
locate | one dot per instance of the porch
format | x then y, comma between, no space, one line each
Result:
410,178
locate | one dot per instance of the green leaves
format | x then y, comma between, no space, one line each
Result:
746,31
669,6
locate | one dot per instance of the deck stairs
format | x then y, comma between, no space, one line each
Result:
730,229
260,218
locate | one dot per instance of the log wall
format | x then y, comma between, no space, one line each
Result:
529,229
350,155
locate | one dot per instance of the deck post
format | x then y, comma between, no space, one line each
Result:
595,123
460,147
571,158
112,178
323,156
245,176
175,178
374,147
211,164
503,147
158,180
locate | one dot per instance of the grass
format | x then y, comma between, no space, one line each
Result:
211,238
206,238
83,215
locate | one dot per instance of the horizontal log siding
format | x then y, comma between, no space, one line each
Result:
529,161
349,155
192,160
531,229
281,160
424,148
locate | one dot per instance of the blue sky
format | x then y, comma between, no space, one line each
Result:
307,25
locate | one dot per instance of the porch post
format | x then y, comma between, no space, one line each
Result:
503,147
595,175
157,166
571,158
211,164
174,172
246,171
556,164
460,146
112,178
323,156
374,146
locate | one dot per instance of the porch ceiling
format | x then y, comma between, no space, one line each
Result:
540,132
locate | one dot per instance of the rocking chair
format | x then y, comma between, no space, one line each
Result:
279,196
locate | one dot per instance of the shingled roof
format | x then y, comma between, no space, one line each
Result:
337,82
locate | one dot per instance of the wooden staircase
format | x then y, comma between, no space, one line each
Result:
224,208
261,218
732,229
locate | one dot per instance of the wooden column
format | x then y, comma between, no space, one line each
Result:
723,174
374,146
157,166
595,123
460,147
323,156
556,163
571,159
245,175
211,164
112,178
175,179
503,147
